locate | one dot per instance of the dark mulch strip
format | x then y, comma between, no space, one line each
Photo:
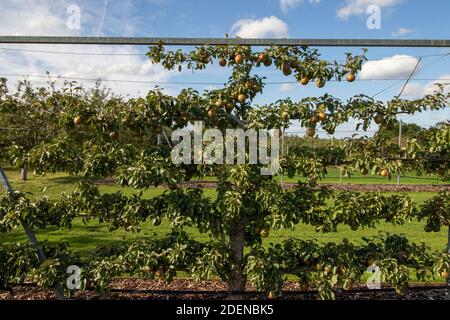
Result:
129,289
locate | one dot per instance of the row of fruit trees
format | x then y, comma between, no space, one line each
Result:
98,134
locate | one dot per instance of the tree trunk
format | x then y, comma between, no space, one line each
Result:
24,173
237,241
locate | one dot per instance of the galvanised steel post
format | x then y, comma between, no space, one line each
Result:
30,234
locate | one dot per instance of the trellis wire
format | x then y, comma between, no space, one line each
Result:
144,54
105,79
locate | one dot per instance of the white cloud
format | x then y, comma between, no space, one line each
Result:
402,32
286,87
285,5
414,89
260,28
125,66
397,66
47,18
32,18
359,7
417,90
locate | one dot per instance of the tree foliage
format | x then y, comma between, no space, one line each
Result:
98,134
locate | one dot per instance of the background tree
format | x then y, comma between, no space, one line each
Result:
409,131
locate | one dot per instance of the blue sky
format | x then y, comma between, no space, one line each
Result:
409,19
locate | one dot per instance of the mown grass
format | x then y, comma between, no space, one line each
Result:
53,184
334,176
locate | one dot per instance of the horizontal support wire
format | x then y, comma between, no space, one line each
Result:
287,132
145,54
55,77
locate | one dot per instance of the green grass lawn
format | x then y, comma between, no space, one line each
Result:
334,176
54,184
85,237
